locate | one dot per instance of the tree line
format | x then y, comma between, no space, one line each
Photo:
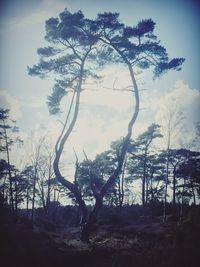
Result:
36,185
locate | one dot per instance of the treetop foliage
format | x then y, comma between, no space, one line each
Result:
4,117
79,46
71,43
138,44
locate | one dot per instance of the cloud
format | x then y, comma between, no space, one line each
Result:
184,98
183,103
12,103
111,97
33,102
117,101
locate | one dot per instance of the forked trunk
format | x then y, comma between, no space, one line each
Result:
89,225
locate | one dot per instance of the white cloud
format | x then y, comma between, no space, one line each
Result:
33,102
118,101
181,99
12,103
104,113
184,98
95,135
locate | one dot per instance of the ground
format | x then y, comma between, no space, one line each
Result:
143,244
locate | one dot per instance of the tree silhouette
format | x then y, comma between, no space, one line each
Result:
72,48
140,151
7,128
78,47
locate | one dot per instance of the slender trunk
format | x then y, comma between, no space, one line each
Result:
182,201
54,194
63,138
122,187
86,221
4,186
155,193
16,195
122,191
152,201
33,203
119,192
27,202
144,180
58,196
33,197
48,194
193,193
143,192
9,171
166,188
174,189
86,230
41,188
118,169
60,146
49,186
151,187
16,205
147,190
43,199
151,197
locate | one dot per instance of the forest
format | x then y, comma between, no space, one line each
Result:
136,203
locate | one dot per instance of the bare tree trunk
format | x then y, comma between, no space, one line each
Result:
27,202
121,200
4,186
119,192
193,193
49,187
86,230
42,193
33,197
99,196
174,189
166,187
43,198
9,171
87,221
16,195
173,120
88,226
54,194
58,195
144,180
182,202
151,187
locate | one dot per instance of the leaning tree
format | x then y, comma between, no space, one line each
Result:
78,46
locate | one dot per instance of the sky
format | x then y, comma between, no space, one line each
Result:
104,114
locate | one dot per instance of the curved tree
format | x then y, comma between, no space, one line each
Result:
69,58
78,46
136,47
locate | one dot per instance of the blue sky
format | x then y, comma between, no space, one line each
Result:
177,26
22,32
